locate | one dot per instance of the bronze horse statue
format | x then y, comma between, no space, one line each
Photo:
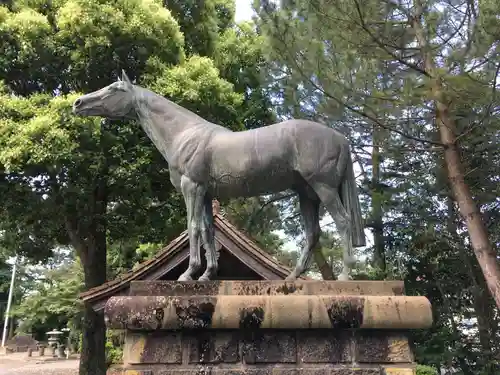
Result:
208,161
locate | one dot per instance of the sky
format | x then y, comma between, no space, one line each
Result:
244,10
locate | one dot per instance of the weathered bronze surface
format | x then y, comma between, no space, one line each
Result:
209,161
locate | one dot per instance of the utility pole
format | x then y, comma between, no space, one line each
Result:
9,302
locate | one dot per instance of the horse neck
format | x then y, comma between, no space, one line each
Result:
163,120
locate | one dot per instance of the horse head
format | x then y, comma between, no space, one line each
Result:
116,100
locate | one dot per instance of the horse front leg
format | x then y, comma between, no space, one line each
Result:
208,236
194,194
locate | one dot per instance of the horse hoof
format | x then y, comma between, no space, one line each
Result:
343,277
291,277
204,278
184,277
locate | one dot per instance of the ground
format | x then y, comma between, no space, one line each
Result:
19,364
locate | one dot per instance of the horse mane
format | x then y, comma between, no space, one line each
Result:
183,111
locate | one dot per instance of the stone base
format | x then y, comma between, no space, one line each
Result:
311,352
160,342
266,370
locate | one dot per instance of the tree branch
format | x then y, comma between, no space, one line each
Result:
275,199
379,43
362,113
339,101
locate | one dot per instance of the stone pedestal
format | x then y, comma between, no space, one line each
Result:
267,328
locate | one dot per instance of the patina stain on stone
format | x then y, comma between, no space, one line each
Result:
288,288
268,346
197,314
265,287
176,288
162,349
382,347
345,313
325,346
153,347
209,347
130,313
251,318
279,311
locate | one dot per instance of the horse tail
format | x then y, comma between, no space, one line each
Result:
350,200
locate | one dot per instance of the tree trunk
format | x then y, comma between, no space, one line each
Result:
93,257
91,249
485,320
447,129
93,356
93,353
92,254
379,261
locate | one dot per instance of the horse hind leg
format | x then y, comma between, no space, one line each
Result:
309,209
331,199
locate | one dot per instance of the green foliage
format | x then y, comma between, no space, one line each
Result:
426,370
239,55
74,44
52,302
40,130
196,85
202,22
114,347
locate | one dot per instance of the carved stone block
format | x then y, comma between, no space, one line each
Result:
151,348
269,347
382,347
318,346
213,347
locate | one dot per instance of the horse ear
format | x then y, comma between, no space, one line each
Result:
125,77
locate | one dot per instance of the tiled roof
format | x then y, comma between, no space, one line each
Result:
163,256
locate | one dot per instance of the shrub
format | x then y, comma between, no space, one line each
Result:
114,348
426,370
